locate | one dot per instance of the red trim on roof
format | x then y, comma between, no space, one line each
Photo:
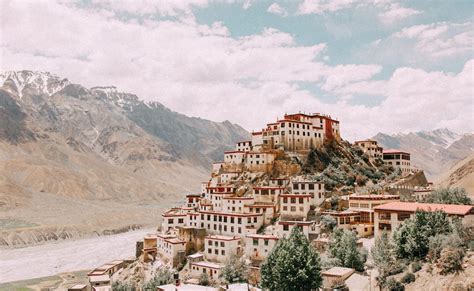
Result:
414,206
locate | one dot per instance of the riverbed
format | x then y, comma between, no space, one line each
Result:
66,256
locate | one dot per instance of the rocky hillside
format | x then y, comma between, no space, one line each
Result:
342,166
460,175
76,160
434,151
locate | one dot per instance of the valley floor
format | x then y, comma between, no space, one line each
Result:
66,256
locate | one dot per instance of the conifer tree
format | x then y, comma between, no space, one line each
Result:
292,265
343,246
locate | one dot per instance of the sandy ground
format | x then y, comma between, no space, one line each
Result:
67,256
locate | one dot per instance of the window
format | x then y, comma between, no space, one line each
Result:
216,251
209,251
210,242
255,242
403,216
180,220
170,221
223,252
293,208
222,244
311,186
265,242
384,215
286,227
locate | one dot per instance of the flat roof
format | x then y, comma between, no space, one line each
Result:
196,255
222,237
78,286
207,264
338,272
394,151
264,236
99,278
414,206
186,287
373,197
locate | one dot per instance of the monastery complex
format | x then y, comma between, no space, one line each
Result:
247,206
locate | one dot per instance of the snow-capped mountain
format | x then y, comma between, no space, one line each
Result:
91,155
44,82
435,151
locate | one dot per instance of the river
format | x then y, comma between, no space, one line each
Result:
66,256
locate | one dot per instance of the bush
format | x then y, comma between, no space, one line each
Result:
204,279
408,278
394,285
416,266
450,260
449,196
121,286
162,277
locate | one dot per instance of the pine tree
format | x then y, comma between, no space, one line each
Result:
343,246
235,270
292,265
412,237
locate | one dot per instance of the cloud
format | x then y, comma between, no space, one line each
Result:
396,13
390,12
277,9
321,6
201,70
147,7
441,39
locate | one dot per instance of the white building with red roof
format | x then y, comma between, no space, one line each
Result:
398,159
389,216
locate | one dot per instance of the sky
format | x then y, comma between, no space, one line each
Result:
376,65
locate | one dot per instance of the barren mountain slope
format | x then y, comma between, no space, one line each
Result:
460,175
434,151
74,161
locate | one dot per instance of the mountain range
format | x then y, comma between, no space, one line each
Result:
75,159
434,151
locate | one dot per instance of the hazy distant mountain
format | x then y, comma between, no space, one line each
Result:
75,156
435,151
460,175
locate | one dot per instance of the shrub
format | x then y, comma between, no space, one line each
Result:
450,260
408,278
394,285
121,286
204,279
416,266
162,277
449,196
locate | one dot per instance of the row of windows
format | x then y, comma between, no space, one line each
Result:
255,242
293,208
302,186
171,220
293,200
221,218
216,251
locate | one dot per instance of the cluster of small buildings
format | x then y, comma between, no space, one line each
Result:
244,210
396,158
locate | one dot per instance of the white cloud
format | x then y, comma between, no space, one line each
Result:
396,12
441,39
200,70
277,9
144,7
390,12
321,6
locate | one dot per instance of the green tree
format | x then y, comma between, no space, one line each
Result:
235,270
292,265
412,237
328,221
449,195
383,254
162,277
343,246
122,286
